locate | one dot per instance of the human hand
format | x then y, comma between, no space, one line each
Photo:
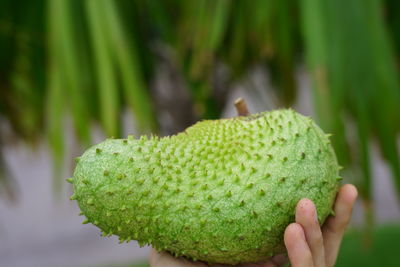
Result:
308,244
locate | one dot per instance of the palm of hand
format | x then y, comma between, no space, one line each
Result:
165,259
307,244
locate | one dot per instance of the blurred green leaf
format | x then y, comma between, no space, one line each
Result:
381,252
70,65
104,68
134,88
55,96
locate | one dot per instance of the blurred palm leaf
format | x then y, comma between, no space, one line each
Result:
125,54
355,75
100,57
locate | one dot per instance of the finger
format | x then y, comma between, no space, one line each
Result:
306,216
297,247
335,226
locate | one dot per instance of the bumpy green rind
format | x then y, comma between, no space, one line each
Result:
222,191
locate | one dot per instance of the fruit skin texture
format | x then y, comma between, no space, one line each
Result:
222,191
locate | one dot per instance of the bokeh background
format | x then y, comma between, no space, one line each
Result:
73,72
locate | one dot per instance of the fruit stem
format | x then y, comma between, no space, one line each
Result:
241,107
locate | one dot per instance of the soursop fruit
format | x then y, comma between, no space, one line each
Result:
222,191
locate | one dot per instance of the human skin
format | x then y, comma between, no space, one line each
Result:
307,244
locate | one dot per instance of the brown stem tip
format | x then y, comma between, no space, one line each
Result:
241,107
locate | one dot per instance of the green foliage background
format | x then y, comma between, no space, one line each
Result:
92,59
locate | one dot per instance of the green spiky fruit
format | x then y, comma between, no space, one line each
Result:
221,191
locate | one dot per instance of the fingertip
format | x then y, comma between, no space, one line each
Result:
293,232
305,202
349,193
305,209
352,190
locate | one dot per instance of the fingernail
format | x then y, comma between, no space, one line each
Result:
303,235
316,215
